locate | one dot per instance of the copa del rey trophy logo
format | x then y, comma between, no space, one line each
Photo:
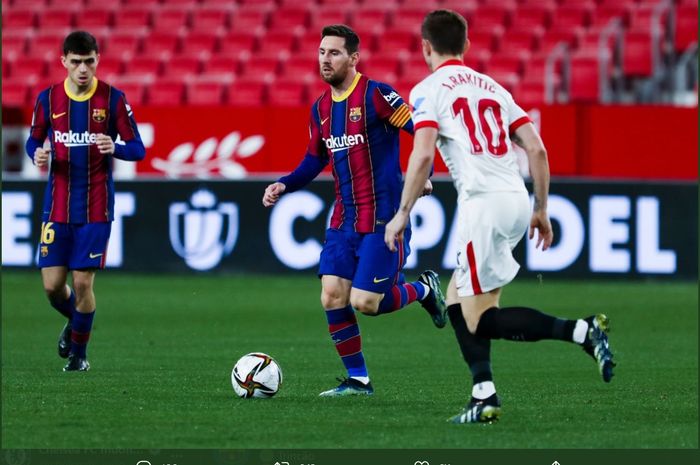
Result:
203,231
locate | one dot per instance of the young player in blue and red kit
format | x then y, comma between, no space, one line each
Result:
82,118
355,127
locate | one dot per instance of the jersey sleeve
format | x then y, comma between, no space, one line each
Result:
40,125
423,108
316,146
125,126
391,107
516,114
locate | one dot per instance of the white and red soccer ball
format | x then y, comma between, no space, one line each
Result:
256,375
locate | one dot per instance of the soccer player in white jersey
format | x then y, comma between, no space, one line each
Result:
474,121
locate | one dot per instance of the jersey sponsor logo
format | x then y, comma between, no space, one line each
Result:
336,143
377,281
95,255
99,114
392,98
355,114
415,107
57,115
75,139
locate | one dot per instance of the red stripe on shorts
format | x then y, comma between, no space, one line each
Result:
472,269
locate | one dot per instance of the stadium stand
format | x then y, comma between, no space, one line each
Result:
601,50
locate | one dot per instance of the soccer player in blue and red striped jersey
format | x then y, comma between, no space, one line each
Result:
355,127
82,118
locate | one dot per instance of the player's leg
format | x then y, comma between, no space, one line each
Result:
484,405
336,267
379,286
54,256
62,298
89,255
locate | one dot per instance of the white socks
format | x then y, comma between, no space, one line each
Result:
483,390
580,331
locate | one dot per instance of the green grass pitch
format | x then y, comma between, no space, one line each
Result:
163,347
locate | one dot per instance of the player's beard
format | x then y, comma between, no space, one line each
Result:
336,78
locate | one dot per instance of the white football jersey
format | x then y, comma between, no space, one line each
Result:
474,116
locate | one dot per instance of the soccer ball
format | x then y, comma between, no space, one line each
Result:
256,375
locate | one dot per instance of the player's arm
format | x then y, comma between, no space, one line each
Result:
392,108
419,166
527,137
37,134
125,124
311,166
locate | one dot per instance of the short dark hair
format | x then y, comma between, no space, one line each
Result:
80,43
352,41
446,30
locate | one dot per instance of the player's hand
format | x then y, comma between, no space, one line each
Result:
428,188
105,144
272,193
41,157
540,222
394,230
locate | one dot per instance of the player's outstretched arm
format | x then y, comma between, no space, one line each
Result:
527,137
272,193
419,165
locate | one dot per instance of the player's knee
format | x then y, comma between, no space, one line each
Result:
54,291
364,305
331,299
82,287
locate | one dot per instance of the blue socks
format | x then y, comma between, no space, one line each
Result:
343,328
80,335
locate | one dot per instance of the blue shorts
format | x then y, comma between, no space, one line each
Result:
364,259
76,246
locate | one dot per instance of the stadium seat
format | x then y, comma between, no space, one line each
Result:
18,19
134,90
210,19
148,65
467,9
182,4
642,17
143,3
371,16
606,13
182,66
300,68
323,15
408,19
289,19
108,69
686,27
584,78
166,93
533,15
529,93
132,16
398,41
172,18
15,93
522,39
55,17
382,66
222,64
6,68
308,44
637,53
573,15
506,62
203,92
249,19
201,43
125,44
287,94
509,80
495,14
13,45
238,41
34,67
48,42
246,93
260,66
98,16
277,42
486,40
164,43
570,35
309,5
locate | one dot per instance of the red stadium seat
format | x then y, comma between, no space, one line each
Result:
533,15
642,17
637,55
382,66
324,15
13,45
584,81
570,35
166,93
182,4
373,16
487,40
277,42
201,43
55,17
686,27
210,19
134,90
248,19
222,64
124,43
308,44
149,66
172,18
496,14
164,43
528,94
257,3
507,79
307,4
133,16
506,62
98,16
398,41
109,70
289,19
287,94
238,41
300,69
15,92
48,42
18,19
205,93
246,93
408,19
606,13
527,39
573,14
6,68
260,67
182,66
467,9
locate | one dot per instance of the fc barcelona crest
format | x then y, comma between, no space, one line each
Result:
99,114
355,114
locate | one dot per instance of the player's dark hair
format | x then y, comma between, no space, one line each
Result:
80,43
446,31
352,41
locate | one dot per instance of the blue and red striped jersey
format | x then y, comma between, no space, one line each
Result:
80,187
358,133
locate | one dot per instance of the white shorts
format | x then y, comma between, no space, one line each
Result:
489,227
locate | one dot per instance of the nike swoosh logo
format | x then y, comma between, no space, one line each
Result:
95,255
323,121
57,115
377,281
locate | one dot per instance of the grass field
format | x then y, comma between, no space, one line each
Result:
163,347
